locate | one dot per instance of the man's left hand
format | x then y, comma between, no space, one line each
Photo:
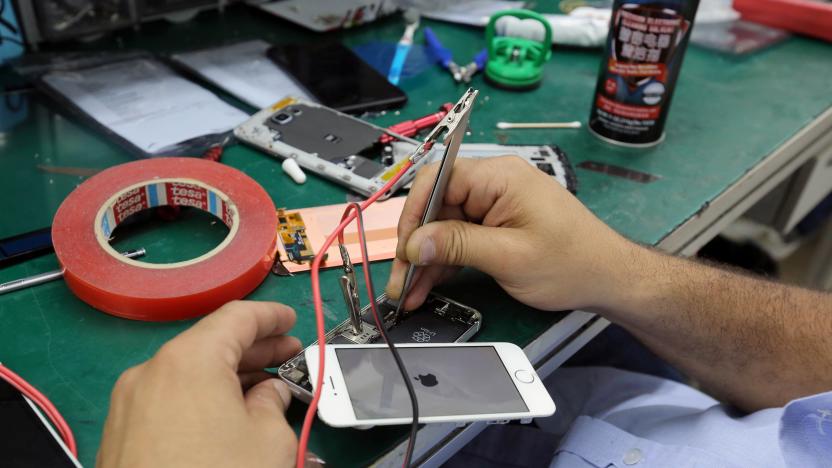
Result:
204,399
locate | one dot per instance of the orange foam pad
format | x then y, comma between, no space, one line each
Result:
380,222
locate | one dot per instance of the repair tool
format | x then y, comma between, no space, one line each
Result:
442,55
513,125
519,44
645,47
411,17
35,280
410,128
468,71
452,131
112,283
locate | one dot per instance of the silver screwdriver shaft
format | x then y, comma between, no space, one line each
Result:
35,280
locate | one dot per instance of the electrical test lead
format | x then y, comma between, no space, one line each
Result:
452,127
303,440
368,280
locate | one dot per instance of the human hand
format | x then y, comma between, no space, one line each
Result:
204,400
510,220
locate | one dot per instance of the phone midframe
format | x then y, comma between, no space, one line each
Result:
263,132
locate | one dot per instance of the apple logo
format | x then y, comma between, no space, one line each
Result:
428,380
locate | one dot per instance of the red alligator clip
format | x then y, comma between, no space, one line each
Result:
410,128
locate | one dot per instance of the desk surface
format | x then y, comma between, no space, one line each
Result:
727,115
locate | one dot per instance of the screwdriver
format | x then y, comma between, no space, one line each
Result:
411,16
35,280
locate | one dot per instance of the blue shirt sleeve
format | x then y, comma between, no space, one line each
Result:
806,432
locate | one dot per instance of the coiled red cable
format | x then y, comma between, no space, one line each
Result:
44,404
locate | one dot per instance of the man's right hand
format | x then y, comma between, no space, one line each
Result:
751,342
510,220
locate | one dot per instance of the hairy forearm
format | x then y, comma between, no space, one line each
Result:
749,341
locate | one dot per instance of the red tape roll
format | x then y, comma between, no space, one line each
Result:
110,282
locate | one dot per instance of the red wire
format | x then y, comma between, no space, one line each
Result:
213,153
364,257
44,404
367,280
319,312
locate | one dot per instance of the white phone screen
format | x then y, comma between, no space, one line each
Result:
448,381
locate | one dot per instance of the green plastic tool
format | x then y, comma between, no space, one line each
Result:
517,62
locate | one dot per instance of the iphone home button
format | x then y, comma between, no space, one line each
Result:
524,376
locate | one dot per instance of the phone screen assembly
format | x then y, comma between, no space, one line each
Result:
337,77
26,439
454,383
438,320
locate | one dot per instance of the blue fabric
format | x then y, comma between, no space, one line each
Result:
614,418
806,432
616,347
594,443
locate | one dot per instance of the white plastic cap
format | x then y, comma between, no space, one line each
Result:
290,166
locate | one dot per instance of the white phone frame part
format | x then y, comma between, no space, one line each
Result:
535,155
335,407
256,133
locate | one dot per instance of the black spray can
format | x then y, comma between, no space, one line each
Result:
645,46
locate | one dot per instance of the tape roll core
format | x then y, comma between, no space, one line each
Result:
171,192
110,282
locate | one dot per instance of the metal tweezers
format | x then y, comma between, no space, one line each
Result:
452,130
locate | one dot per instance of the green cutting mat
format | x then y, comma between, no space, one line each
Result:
727,115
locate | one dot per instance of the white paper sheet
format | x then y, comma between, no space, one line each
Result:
584,26
146,103
470,12
244,71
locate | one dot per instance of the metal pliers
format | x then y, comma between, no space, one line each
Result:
445,58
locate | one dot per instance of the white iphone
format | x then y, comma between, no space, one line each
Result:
454,382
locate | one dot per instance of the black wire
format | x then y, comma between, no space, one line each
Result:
414,425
